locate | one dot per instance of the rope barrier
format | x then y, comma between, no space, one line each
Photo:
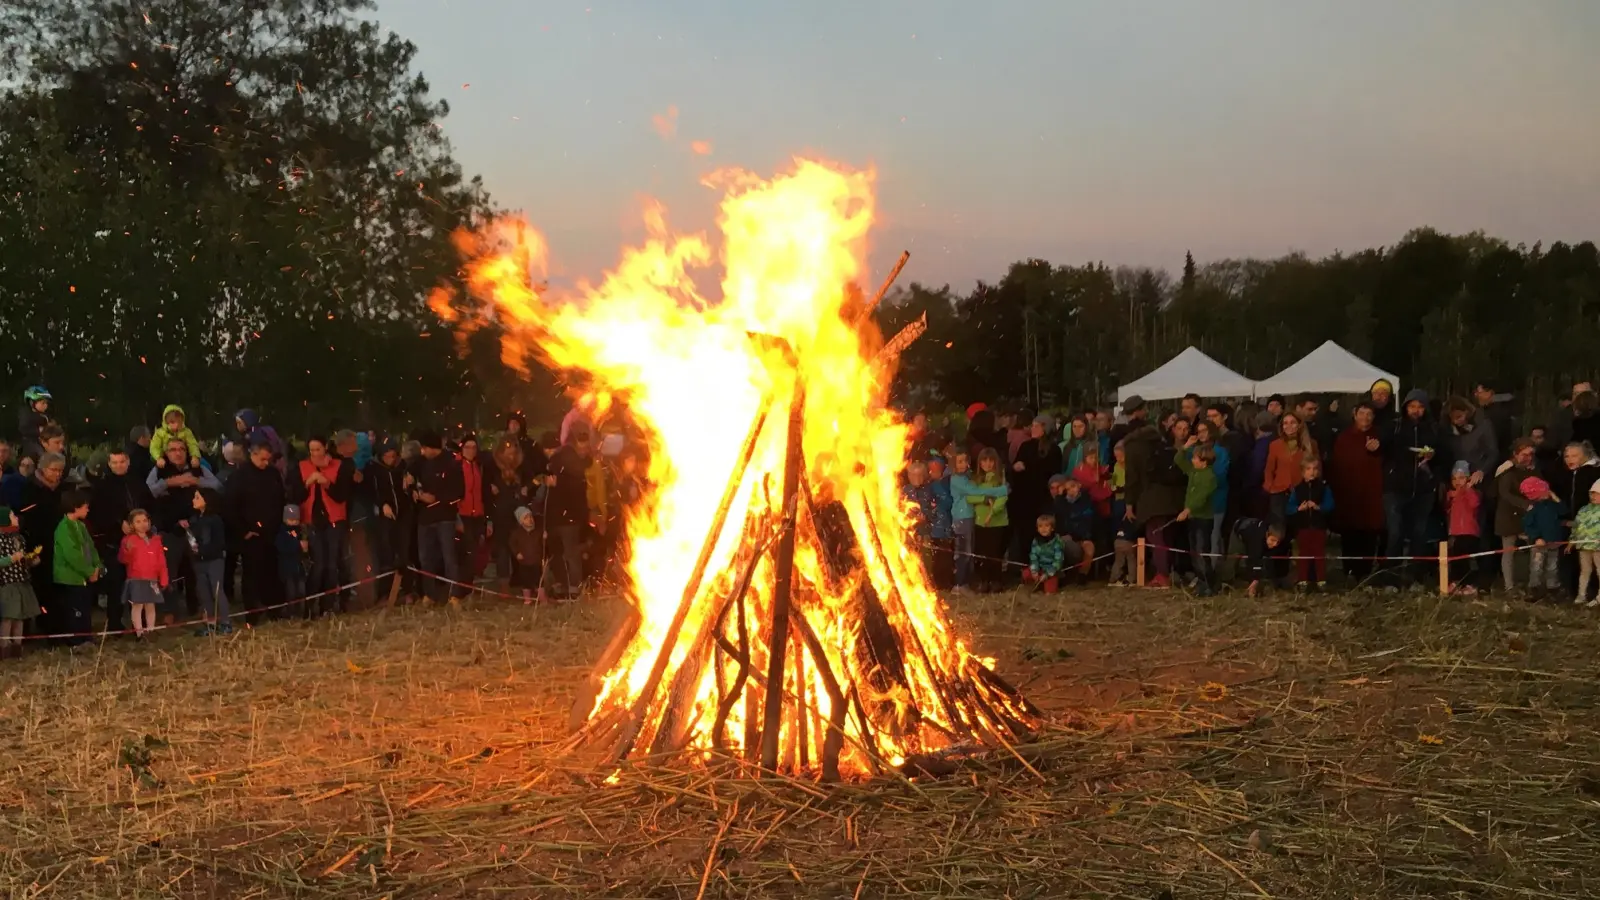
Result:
63,635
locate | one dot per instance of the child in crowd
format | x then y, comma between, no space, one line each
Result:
208,547
1542,525
923,505
1309,506
943,570
1119,481
145,558
1045,556
1461,504
1261,541
1095,480
527,557
1124,542
1586,543
990,520
1074,520
293,548
173,427
35,416
963,518
18,603
1195,462
77,565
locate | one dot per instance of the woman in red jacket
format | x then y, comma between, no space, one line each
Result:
1355,472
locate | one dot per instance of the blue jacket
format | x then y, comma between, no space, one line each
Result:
290,556
961,487
1074,518
943,506
1220,465
924,505
1542,522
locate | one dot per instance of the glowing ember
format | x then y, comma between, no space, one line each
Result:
774,391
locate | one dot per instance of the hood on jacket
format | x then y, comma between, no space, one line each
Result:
250,419
171,408
1417,395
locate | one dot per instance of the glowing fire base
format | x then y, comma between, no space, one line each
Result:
870,692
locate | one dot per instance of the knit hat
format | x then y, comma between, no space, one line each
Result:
1062,479
976,408
385,446
1045,420
1462,467
1381,384
291,512
1534,487
430,440
1594,488
523,511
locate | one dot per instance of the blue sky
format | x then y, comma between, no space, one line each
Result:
1119,130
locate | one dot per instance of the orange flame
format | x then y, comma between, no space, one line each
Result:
695,373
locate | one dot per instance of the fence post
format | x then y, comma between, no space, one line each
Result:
1138,562
1444,568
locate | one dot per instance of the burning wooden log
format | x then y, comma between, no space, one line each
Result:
783,579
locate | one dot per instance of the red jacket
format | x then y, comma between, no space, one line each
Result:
334,507
471,489
145,558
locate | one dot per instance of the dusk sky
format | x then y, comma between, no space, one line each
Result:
1125,131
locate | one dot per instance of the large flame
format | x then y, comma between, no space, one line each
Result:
695,373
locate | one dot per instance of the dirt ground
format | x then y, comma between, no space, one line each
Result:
1350,746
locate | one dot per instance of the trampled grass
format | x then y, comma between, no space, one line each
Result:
1351,746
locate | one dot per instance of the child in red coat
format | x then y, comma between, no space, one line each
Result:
146,560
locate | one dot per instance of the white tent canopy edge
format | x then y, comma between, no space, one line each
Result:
1329,369
1190,372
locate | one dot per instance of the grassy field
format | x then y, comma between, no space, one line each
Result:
1353,746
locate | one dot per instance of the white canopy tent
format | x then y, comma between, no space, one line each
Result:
1329,369
1190,372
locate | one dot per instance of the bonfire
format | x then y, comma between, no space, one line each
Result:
779,609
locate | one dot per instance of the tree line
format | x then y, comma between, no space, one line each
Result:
1441,311
229,205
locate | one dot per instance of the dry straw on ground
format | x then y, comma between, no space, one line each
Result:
1347,746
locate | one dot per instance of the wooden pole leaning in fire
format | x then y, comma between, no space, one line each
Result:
691,589
905,257
783,580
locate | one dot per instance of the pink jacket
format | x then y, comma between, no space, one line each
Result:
145,558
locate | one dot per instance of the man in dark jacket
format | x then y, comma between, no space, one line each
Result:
253,507
173,486
1136,415
112,495
437,493
569,509
138,449
392,527
1413,468
1499,415
1154,491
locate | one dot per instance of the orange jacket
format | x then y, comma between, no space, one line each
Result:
1283,465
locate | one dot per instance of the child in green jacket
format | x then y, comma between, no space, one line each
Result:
1197,508
76,565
